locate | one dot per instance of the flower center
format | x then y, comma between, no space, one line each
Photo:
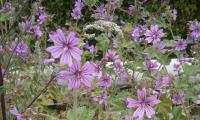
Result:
78,74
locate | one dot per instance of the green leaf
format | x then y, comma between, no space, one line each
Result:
165,106
83,114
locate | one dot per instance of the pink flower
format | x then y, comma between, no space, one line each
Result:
198,101
143,104
78,74
154,34
101,99
178,98
105,81
180,45
65,47
111,55
152,66
48,61
129,117
37,30
18,115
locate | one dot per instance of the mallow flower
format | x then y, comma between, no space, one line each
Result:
152,66
101,99
7,7
20,48
111,55
15,112
105,81
143,104
154,34
178,98
195,30
65,47
77,75
180,45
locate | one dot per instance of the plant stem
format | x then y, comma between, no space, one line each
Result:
75,104
3,105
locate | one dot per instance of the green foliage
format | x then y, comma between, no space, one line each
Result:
83,114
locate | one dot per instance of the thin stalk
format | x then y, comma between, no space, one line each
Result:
3,105
75,104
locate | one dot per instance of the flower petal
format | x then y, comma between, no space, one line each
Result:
76,53
74,84
139,112
55,39
60,35
64,75
66,58
87,80
149,111
87,68
55,51
75,66
141,94
152,100
132,103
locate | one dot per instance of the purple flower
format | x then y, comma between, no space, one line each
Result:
138,33
143,104
42,16
114,4
15,112
99,12
1,49
159,46
27,26
79,4
195,30
152,66
101,99
37,30
197,101
20,48
91,48
48,61
65,47
154,34
123,76
178,98
76,14
118,65
78,74
174,11
97,68
111,55
128,118
131,9
105,81
180,45
7,7
102,13
162,82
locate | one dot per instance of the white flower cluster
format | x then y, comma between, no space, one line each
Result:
103,26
